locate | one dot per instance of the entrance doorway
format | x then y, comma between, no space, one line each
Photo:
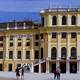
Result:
53,67
73,67
63,67
36,68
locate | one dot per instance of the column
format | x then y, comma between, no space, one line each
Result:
47,66
58,50
49,21
39,66
68,54
78,19
69,20
23,47
15,47
7,46
59,20
32,47
78,52
32,68
49,47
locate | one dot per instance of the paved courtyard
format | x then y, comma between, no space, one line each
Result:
35,76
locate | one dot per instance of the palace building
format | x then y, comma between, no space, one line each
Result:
54,43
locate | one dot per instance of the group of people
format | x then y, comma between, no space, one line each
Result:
18,70
57,73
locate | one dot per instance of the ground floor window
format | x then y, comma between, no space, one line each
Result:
1,67
10,67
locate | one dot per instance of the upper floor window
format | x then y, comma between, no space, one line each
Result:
10,54
11,37
42,21
27,54
19,55
36,37
19,44
64,21
73,35
54,34
11,44
1,44
19,37
73,20
64,34
36,43
54,20
36,54
1,54
28,36
1,38
27,43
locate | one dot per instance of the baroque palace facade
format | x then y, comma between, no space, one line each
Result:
55,43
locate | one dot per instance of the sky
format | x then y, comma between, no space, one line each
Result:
10,9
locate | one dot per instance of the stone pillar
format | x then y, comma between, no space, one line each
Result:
78,20
47,66
59,20
49,47
68,54
23,47
7,46
32,68
78,52
69,20
15,48
58,50
39,66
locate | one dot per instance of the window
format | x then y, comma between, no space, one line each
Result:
63,53
54,35
41,53
1,67
27,43
27,54
19,37
73,53
73,35
19,43
10,54
64,20
41,35
53,53
1,44
54,20
64,34
73,20
19,55
11,44
28,36
36,54
36,43
1,54
11,37
10,67
42,21
36,37
1,38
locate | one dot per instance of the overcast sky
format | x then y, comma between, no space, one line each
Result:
34,5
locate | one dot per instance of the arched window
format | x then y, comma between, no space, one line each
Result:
73,53
73,20
54,20
42,21
53,53
63,53
64,21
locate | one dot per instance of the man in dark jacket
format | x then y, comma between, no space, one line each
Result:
17,72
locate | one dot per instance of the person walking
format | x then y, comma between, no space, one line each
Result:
17,73
22,73
58,71
54,74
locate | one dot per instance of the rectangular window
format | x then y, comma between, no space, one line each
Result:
11,37
36,44
1,38
64,34
10,67
73,35
19,37
19,43
1,54
10,54
54,34
11,44
27,43
41,53
27,54
19,55
36,37
36,54
1,44
28,36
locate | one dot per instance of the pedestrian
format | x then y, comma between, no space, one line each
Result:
58,73
22,73
54,74
17,73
